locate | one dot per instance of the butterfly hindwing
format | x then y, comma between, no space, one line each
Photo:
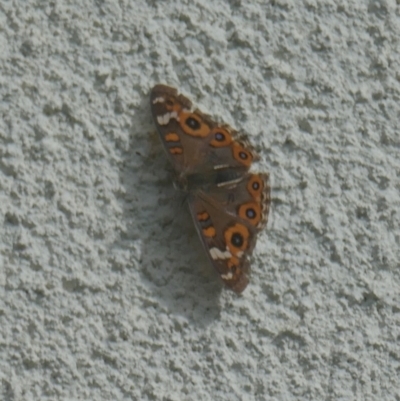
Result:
227,220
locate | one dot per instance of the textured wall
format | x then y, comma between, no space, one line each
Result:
105,293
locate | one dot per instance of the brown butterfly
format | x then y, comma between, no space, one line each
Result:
229,204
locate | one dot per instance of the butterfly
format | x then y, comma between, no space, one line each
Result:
228,203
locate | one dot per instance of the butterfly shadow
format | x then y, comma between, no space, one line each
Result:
169,263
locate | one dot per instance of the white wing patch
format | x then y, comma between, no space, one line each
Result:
158,100
218,254
219,166
164,120
227,276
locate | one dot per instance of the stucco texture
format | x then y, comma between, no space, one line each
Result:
105,290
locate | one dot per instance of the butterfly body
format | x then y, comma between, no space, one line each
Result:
229,204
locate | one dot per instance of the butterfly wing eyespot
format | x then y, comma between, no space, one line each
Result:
241,154
255,186
220,138
250,212
237,239
193,124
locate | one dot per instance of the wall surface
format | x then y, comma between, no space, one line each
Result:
105,291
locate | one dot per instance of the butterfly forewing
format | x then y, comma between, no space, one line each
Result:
193,141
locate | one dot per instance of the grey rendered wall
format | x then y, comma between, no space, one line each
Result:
105,293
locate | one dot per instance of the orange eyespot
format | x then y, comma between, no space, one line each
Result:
251,212
192,124
255,186
241,154
236,238
221,137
